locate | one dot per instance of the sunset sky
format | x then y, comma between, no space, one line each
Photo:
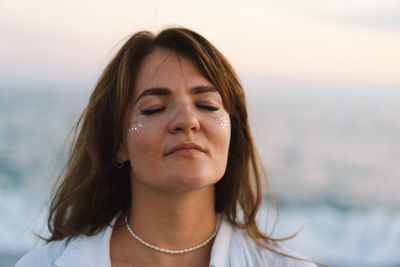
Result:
300,43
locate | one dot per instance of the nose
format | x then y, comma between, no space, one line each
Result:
184,119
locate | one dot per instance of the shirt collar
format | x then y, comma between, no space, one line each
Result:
88,250
220,248
95,250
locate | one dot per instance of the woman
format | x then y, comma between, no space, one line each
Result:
163,171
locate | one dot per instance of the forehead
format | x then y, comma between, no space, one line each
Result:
164,68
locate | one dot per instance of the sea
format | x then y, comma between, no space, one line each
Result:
332,157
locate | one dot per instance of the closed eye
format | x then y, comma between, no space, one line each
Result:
208,107
151,111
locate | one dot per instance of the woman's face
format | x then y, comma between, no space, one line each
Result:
177,131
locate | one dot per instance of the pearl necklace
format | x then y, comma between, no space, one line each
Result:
171,251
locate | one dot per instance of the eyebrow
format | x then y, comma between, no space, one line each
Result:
162,91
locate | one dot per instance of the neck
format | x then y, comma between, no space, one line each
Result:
171,220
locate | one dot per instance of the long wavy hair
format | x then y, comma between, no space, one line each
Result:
91,191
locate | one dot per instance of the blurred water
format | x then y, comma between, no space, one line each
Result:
332,157
342,147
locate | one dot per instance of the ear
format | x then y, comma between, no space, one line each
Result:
122,154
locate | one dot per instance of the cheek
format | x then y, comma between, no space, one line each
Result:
221,128
221,131
136,127
140,137
222,121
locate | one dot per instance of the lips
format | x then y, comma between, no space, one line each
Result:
185,149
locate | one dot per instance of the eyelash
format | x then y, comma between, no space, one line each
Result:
208,107
151,111
158,110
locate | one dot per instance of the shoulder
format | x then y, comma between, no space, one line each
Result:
256,255
81,250
43,256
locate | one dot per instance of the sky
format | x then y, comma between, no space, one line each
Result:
351,44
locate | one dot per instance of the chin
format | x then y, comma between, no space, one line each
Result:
191,182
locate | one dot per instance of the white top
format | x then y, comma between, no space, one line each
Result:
232,248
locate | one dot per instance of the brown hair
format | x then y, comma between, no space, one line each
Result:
91,191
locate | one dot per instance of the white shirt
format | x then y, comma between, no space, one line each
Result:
232,248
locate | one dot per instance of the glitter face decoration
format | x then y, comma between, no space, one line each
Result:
222,121
137,126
